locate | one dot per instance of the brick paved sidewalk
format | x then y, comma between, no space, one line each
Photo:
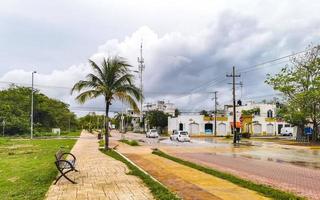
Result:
100,177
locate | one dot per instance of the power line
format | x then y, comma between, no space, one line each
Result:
274,60
251,68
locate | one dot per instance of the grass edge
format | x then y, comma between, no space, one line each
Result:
158,190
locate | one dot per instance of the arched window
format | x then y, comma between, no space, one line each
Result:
181,127
269,114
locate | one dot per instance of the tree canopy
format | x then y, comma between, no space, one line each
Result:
112,80
300,85
157,119
48,113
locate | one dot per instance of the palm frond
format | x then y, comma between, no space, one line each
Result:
89,94
97,69
80,85
131,90
93,78
126,98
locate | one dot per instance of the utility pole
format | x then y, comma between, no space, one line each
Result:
31,114
215,113
234,76
141,69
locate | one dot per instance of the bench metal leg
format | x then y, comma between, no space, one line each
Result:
63,174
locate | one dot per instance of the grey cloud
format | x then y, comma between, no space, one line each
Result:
178,61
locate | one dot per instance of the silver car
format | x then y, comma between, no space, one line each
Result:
152,133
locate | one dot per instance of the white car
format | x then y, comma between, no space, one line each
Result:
286,131
181,136
152,133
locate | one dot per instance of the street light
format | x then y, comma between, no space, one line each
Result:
3,126
31,114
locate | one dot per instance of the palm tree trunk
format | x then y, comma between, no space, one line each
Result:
106,136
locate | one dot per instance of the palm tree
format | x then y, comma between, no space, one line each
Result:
112,80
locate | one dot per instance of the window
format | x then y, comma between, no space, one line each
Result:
269,114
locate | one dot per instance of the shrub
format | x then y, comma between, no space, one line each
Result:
246,135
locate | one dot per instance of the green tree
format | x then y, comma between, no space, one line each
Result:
48,113
177,112
204,112
157,119
300,85
91,121
112,80
253,111
127,120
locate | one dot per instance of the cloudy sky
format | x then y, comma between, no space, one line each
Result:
189,46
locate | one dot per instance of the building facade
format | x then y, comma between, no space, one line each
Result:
256,119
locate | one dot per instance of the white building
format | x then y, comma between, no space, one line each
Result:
166,107
261,122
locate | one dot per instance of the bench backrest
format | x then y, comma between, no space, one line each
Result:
58,155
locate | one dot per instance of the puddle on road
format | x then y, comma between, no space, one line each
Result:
269,151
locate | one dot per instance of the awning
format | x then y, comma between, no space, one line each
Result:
238,124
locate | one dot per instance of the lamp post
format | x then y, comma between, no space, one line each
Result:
31,114
3,126
139,72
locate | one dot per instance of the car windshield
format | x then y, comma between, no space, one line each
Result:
153,130
184,133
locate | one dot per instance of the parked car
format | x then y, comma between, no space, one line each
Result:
181,136
152,133
286,131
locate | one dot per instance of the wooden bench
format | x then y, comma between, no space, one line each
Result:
65,166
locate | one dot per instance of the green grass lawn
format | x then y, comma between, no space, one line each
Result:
27,167
63,134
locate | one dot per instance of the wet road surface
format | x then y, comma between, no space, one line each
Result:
288,167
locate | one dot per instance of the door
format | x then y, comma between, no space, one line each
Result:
270,129
208,128
279,128
257,129
181,127
222,129
193,128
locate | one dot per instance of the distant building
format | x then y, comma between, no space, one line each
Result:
166,107
256,119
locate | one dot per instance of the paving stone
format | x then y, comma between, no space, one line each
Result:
99,176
